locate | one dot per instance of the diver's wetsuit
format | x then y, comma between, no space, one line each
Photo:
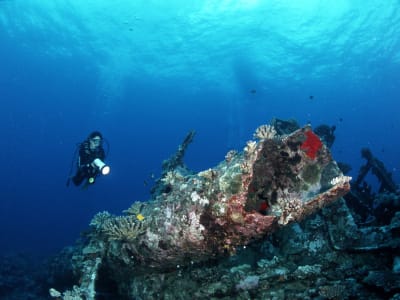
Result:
86,157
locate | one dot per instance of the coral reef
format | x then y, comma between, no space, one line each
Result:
330,254
194,218
295,262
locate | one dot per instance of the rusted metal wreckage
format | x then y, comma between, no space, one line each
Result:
275,180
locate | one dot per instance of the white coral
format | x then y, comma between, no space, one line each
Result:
152,239
250,147
208,174
195,227
172,177
168,212
340,180
196,198
265,132
289,205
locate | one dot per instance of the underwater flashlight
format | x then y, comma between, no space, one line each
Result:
104,169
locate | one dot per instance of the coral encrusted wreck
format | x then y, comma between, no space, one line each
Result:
197,217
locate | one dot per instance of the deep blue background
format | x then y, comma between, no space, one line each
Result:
144,75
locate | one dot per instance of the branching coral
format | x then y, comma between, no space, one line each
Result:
265,132
125,228
250,148
230,155
100,219
290,206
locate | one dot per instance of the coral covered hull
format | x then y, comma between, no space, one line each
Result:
197,217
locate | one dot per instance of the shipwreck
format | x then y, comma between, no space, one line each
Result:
279,177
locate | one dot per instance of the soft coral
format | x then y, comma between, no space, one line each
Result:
312,144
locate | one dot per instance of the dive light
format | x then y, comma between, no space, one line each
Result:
103,168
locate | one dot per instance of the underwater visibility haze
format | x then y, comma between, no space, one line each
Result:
145,73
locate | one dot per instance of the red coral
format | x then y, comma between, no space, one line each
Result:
311,145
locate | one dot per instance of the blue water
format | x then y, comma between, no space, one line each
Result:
144,73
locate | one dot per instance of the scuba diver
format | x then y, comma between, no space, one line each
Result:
90,162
